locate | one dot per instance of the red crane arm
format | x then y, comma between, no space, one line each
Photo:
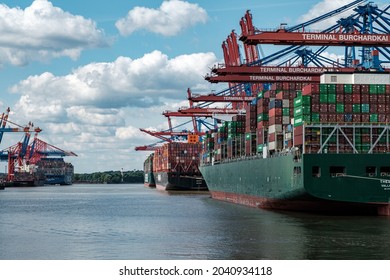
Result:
210,111
263,78
145,148
221,98
282,37
277,70
169,133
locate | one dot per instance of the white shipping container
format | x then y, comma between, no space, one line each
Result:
275,128
371,79
286,103
286,120
272,146
356,78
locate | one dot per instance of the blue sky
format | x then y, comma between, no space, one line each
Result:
90,73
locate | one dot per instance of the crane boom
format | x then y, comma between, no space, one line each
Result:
283,37
219,98
276,70
263,78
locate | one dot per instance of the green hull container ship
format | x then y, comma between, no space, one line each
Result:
329,155
337,183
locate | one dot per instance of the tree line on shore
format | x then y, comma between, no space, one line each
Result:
110,177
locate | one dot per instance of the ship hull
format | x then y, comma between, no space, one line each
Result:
171,181
316,183
149,180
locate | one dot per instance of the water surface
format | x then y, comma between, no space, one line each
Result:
133,222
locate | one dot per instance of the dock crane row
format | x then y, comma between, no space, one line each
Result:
365,35
31,163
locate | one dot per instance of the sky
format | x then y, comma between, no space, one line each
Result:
91,73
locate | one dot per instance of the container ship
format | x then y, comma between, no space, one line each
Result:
56,171
176,166
148,172
320,147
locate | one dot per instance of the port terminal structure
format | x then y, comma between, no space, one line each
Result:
25,159
364,33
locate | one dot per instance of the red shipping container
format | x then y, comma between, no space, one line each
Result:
365,118
332,118
298,130
339,98
373,108
356,118
340,118
381,109
348,108
275,120
348,98
315,108
324,117
365,98
262,124
332,108
365,89
381,98
299,86
298,140
373,98
271,137
356,98
382,118
323,108
356,88
315,98
340,89
310,89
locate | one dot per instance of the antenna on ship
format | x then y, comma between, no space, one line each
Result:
122,175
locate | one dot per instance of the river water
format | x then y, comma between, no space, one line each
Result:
112,222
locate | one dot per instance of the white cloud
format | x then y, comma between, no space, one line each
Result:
142,82
172,17
102,105
322,8
42,31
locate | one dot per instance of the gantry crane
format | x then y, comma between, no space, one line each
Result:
367,28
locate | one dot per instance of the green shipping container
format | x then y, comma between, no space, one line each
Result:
304,100
298,121
324,88
248,136
373,89
381,89
340,108
315,118
262,117
365,108
323,98
332,89
374,118
347,88
286,112
260,148
332,98
356,108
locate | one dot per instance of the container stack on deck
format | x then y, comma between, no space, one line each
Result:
176,166
177,157
284,109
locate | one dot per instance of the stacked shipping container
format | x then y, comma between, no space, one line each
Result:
177,157
342,104
305,115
